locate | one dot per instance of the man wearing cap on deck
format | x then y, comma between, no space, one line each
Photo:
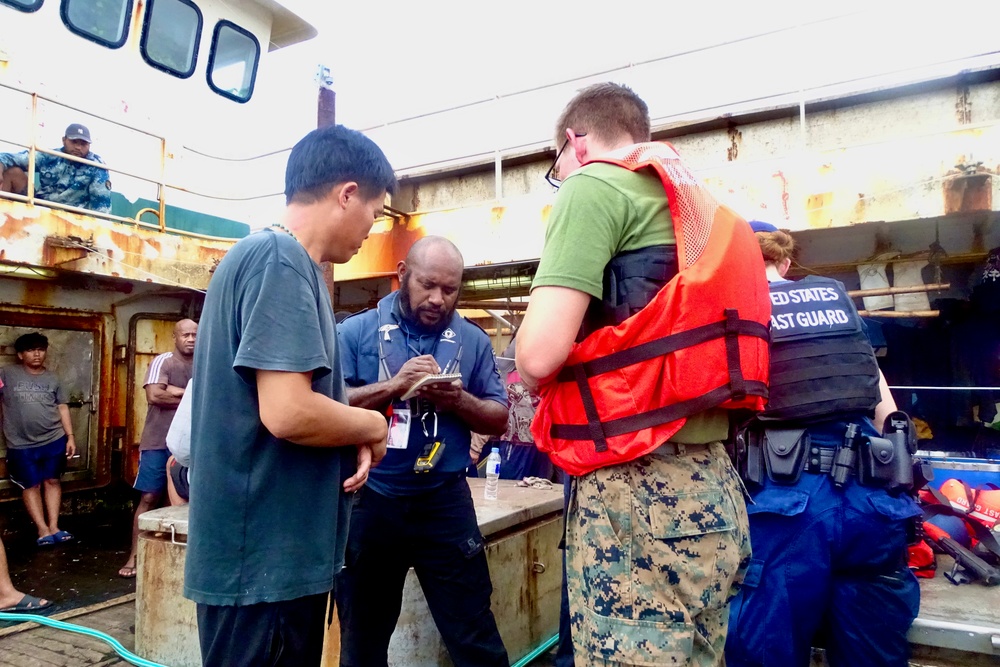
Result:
59,180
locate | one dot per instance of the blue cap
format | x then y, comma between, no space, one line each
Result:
77,131
761,226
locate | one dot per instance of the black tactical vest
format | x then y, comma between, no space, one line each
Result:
631,280
822,364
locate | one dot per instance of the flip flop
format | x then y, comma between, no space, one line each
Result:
29,604
63,536
47,541
127,572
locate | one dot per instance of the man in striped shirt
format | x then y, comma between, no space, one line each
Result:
166,379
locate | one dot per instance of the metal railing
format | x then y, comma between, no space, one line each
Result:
160,182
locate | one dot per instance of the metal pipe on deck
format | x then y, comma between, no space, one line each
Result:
955,636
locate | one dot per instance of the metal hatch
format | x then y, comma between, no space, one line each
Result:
149,335
77,356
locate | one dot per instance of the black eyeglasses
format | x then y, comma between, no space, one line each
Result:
550,174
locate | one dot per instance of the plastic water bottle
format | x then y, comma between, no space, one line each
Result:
493,474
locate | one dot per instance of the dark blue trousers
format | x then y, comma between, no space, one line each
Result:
827,566
436,534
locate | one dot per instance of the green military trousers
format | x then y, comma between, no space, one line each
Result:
655,549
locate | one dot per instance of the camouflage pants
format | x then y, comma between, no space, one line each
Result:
655,549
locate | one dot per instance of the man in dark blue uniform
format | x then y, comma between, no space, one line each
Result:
828,521
417,510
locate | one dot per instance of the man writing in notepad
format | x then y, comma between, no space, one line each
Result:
417,509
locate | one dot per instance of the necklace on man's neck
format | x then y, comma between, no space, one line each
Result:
286,230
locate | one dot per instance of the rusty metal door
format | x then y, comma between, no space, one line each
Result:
149,335
75,356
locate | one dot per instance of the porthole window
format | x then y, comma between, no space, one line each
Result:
232,65
102,21
170,35
23,5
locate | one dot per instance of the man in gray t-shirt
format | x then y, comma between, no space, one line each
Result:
39,434
275,446
31,406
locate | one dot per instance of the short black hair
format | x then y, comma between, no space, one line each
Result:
336,154
31,341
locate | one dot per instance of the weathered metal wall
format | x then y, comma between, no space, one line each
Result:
728,59
887,160
890,159
53,239
485,233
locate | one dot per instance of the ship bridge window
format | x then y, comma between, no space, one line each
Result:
170,35
102,21
232,64
23,5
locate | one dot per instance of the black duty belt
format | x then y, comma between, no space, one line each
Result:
819,460
783,454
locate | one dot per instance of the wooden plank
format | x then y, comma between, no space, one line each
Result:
69,644
35,645
74,613
88,649
515,506
26,646
11,657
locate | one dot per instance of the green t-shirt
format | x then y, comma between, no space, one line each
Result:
603,210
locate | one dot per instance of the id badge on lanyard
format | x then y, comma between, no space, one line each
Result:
399,427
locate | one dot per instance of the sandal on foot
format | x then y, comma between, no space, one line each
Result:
47,541
29,604
127,572
62,536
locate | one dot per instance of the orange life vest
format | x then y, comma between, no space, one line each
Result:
700,343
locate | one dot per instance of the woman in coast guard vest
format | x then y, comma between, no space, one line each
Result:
828,539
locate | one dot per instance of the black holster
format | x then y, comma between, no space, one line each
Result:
750,463
887,462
